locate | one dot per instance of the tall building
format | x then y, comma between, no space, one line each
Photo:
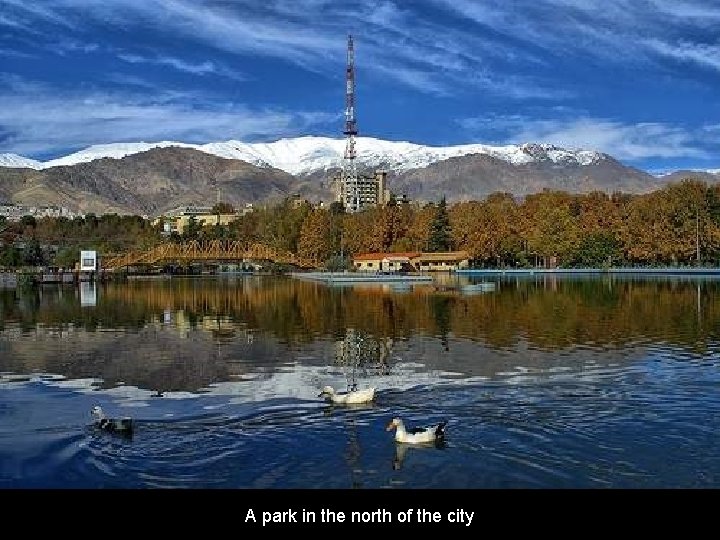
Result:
363,191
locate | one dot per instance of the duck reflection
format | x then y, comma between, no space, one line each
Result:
401,450
333,408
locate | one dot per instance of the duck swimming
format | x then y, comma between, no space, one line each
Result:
122,426
421,435
352,397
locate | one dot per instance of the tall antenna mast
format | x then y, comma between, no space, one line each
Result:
350,180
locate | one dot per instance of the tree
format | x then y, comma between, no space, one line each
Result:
596,250
357,230
279,226
66,257
315,243
10,257
488,231
418,233
551,224
336,207
336,263
28,221
389,226
439,239
33,254
192,229
223,208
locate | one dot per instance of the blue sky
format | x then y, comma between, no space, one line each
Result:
639,79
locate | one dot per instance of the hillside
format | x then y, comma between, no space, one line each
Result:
145,183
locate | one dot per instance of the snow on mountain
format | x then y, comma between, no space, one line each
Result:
13,160
308,154
114,150
671,173
302,155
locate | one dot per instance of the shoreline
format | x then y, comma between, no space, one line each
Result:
665,271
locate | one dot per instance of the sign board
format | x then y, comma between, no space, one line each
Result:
88,261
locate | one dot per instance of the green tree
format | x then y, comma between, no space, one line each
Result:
597,250
336,263
66,257
28,221
439,239
223,208
192,229
10,257
336,208
33,254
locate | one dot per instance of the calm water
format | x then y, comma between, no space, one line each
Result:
544,383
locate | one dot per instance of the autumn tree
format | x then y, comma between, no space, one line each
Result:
551,224
488,230
316,237
358,230
389,227
661,227
279,226
420,221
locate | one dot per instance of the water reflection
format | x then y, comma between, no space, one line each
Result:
213,335
88,294
402,449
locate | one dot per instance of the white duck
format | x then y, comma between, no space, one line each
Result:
352,397
421,435
123,426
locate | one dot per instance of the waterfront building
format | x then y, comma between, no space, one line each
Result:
411,261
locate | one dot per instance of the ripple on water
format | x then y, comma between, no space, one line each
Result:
565,385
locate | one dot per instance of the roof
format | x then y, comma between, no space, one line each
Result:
443,256
381,256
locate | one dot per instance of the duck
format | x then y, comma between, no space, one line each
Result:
122,426
351,397
430,434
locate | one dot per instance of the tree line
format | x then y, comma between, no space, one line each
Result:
665,227
57,241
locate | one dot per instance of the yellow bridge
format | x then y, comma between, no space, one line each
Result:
210,251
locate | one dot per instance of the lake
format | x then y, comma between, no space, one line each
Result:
544,381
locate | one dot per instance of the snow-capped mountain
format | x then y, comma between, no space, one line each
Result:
13,160
304,155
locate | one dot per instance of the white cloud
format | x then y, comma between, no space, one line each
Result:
701,13
618,31
706,55
15,54
203,68
631,142
36,119
396,42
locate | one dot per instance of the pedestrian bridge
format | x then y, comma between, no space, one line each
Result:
204,251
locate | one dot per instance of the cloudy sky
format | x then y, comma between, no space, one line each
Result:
639,79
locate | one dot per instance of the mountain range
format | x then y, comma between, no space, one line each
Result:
149,178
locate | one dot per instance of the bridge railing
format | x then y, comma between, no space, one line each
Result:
210,250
